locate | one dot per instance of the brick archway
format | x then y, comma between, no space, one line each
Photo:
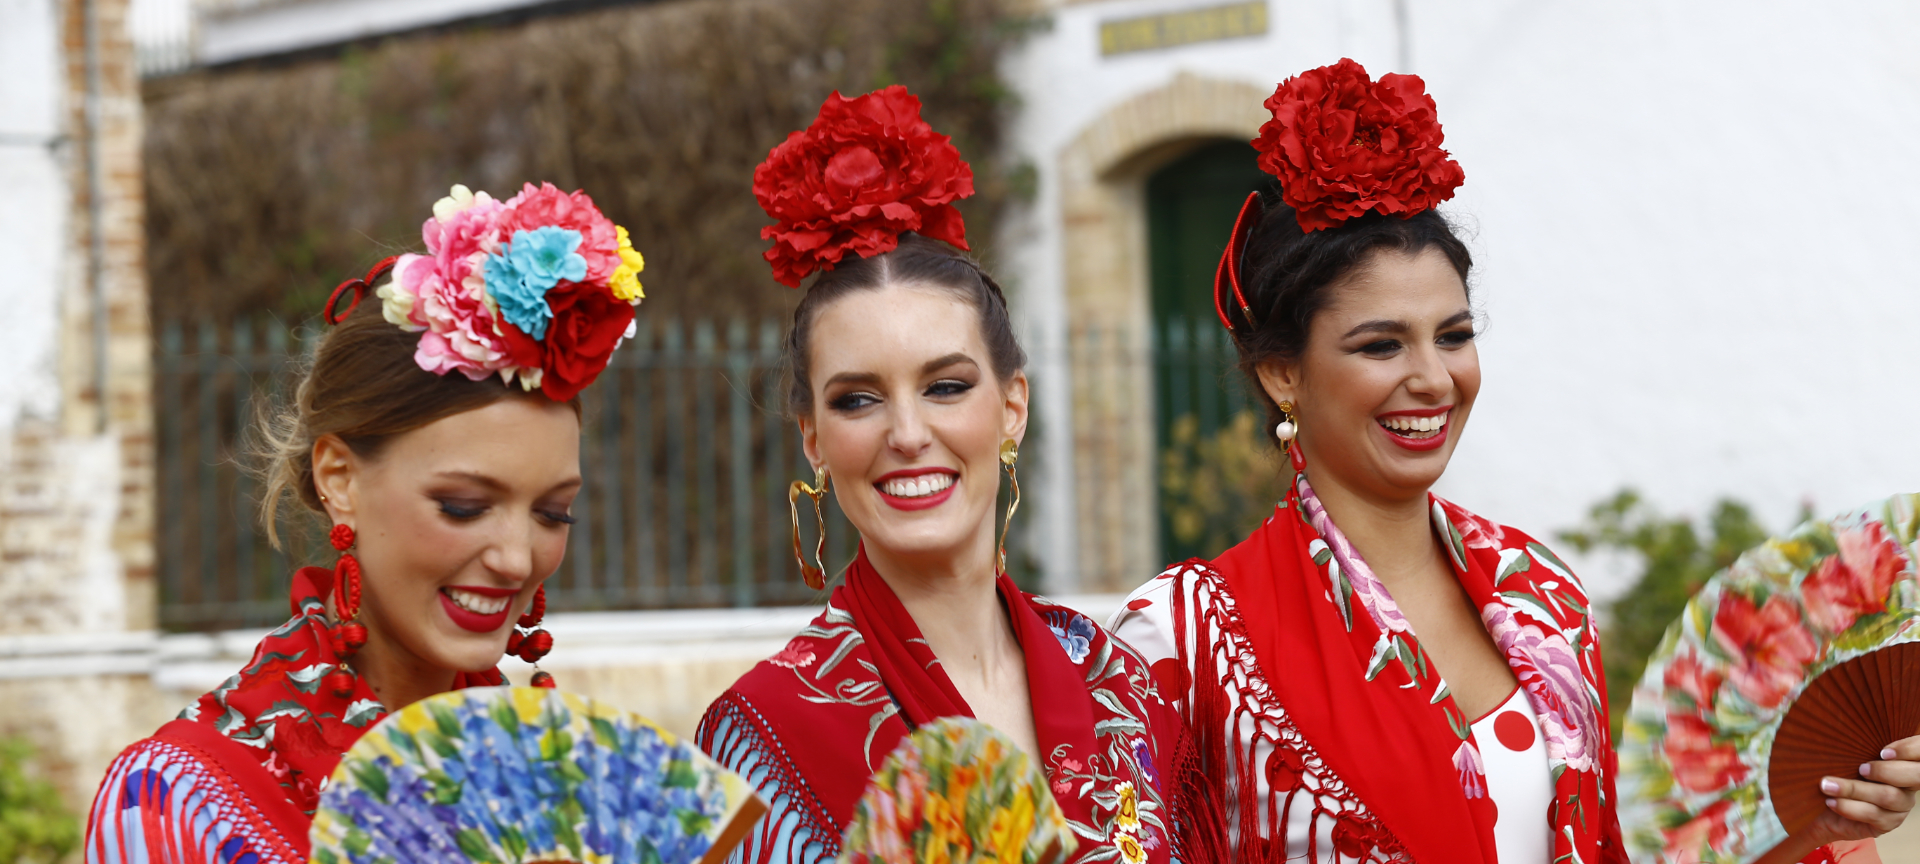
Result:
1102,176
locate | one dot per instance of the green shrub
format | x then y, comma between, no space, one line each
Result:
34,825
1676,558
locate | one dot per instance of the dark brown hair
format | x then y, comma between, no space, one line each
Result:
1285,273
916,261
364,387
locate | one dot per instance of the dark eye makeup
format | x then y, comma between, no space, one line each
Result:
462,510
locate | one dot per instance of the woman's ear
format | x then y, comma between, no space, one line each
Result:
810,441
1281,380
333,475
1015,427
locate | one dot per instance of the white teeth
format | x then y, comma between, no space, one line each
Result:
1405,423
476,603
917,487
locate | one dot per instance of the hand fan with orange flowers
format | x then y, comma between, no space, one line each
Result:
957,791
1800,661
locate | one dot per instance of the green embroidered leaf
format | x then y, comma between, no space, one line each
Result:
1345,597
357,841
444,720
1440,694
681,775
505,717
604,732
563,832
514,841
324,855
695,823
1381,653
473,844
439,744
282,708
1119,724
1112,702
371,779
307,679
1551,560
1512,561
555,745
443,790
1321,553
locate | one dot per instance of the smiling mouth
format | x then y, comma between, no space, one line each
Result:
923,486
1416,428
476,603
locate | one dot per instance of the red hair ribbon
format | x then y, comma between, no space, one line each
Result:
360,287
1226,279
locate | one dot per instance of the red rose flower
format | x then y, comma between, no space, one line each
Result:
1771,646
1686,675
1342,144
1855,582
547,205
1703,833
866,171
587,322
1699,764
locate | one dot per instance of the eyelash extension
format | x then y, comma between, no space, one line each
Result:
562,518
461,512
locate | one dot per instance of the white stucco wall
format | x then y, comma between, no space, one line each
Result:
1690,221
33,229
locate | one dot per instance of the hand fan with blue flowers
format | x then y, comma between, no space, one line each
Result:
516,775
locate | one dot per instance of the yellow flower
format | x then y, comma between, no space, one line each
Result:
1010,829
460,198
1130,849
946,829
1128,819
625,281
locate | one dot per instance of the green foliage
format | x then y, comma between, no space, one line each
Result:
1676,558
1217,489
34,825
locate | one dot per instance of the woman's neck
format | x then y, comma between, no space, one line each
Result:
397,676
955,601
1394,536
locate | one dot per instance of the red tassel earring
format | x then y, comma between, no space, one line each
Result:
535,643
347,635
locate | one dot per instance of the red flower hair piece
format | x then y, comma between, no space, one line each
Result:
866,170
1343,144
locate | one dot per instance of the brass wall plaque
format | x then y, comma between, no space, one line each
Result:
1185,27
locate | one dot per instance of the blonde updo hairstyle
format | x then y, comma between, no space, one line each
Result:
364,387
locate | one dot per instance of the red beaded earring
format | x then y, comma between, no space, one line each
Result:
535,643
348,635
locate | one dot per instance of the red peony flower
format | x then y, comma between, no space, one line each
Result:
1770,643
587,322
1855,582
1686,675
1699,764
866,171
1342,144
1705,832
547,205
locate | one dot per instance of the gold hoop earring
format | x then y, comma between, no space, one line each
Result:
815,574
1009,454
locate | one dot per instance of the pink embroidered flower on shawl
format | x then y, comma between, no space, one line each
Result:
1473,773
1550,670
1367,587
1479,533
795,656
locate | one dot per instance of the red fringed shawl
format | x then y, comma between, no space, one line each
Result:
811,724
262,745
1333,684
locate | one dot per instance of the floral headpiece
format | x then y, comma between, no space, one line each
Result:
538,289
1342,144
867,170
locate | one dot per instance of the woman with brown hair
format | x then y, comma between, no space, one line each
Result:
1377,674
447,496
908,390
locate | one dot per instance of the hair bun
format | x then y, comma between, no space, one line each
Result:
867,170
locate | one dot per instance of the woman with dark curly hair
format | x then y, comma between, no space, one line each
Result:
1377,674
908,390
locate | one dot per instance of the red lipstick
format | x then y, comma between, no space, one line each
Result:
1418,445
474,621
919,503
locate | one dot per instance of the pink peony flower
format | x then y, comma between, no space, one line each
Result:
1699,764
462,332
1473,774
1855,582
1550,670
1686,675
1771,646
547,205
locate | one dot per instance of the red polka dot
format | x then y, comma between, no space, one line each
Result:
1494,807
1514,730
1141,603
1172,677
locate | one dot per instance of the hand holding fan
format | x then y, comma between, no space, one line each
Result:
517,775
1798,662
957,791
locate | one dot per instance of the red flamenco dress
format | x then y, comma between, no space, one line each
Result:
235,779
808,726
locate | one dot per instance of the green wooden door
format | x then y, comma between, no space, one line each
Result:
1205,423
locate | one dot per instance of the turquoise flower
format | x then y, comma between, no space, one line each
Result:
519,276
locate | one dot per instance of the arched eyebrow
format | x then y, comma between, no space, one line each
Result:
1384,325
871,379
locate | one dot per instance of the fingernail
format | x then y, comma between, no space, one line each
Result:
1831,803
1866,769
1831,787
1888,754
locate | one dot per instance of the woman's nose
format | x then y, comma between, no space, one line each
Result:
910,434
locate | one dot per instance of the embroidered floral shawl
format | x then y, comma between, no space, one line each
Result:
263,742
1335,652
812,723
